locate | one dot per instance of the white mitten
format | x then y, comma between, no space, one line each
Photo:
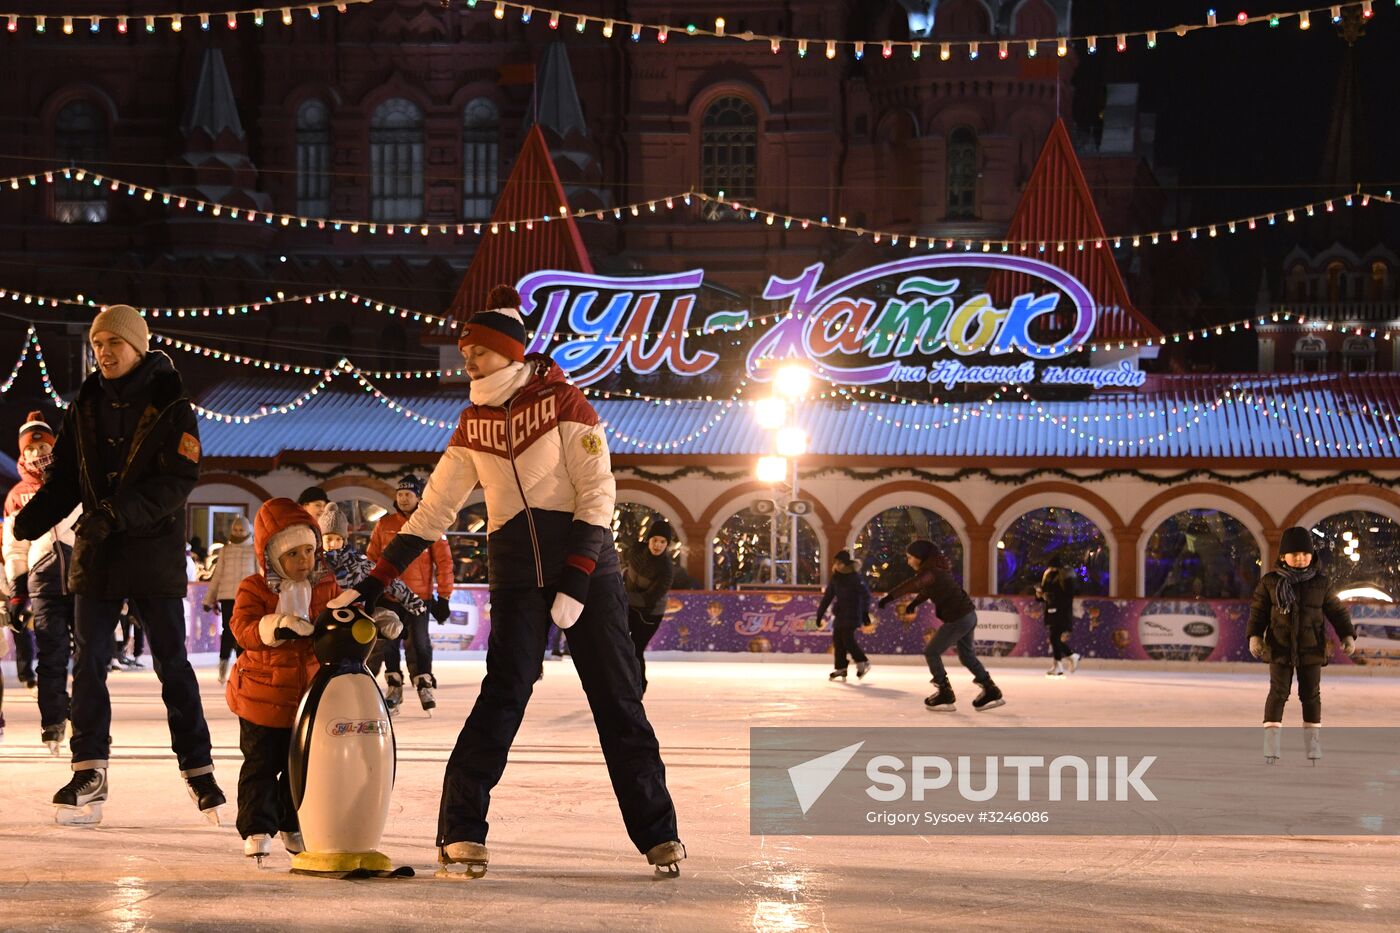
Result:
302,627
345,598
566,610
389,624
1349,645
267,629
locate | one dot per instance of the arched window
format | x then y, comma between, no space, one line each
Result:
1360,549
961,19
1052,537
1298,283
481,158
1336,281
1380,278
743,551
880,545
962,174
729,149
1358,355
396,161
1310,354
80,138
313,159
1202,554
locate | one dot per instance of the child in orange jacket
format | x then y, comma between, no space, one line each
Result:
272,620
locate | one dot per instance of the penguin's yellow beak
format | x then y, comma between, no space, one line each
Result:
362,631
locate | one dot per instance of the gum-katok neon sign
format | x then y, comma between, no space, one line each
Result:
641,322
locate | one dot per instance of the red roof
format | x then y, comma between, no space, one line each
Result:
1057,207
533,190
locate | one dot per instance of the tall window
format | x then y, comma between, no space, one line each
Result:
396,161
1379,280
80,138
481,158
313,159
1336,281
729,149
962,174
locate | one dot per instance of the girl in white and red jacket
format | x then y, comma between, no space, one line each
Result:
538,450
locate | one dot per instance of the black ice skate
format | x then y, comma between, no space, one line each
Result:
52,736
667,859
838,674
204,791
424,684
393,697
989,698
80,801
471,856
943,701
862,668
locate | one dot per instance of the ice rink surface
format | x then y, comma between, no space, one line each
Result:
560,859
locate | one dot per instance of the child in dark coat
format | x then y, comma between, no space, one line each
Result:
852,610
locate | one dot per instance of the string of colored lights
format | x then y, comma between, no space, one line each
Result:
70,23
945,50
725,408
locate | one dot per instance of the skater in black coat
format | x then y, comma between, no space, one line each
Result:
852,610
933,582
1292,606
647,571
1056,591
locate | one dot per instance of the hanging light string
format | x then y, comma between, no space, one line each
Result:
725,408
29,338
739,211
122,24
914,49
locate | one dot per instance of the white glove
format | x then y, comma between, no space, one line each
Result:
1256,646
389,624
270,623
566,610
345,598
1349,645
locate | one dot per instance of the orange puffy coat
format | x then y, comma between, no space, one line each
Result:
418,576
267,683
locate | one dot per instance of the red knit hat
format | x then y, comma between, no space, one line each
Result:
499,327
35,430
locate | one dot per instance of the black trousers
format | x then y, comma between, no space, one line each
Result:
264,791
53,627
164,621
605,659
228,645
843,642
417,645
132,631
642,629
1309,691
24,653
1060,633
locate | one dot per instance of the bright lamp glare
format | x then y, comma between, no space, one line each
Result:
792,442
792,381
1364,592
772,469
770,413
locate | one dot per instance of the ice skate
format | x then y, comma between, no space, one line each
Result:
204,791
293,843
424,683
393,697
223,670
943,701
1073,663
472,855
1273,742
118,663
258,847
52,736
133,664
80,801
1312,741
989,698
862,668
1057,671
838,674
667,859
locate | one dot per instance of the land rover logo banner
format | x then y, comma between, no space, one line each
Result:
1195,781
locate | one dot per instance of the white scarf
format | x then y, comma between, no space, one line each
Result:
499,387
294,599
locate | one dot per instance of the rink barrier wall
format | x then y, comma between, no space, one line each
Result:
727,621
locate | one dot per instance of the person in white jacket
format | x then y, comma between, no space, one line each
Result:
236,561
539,452
37,573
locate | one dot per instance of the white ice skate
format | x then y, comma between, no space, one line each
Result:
80,801
472,856
1057,671
1273,741
1312,741
424,684
1073,663
667,859
258,847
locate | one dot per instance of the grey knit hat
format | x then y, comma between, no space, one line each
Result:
334,522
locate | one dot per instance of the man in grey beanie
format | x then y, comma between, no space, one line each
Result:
128,452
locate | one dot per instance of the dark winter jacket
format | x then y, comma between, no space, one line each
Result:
935,584
847,590
1059,602
131,445
647,579
1299,636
